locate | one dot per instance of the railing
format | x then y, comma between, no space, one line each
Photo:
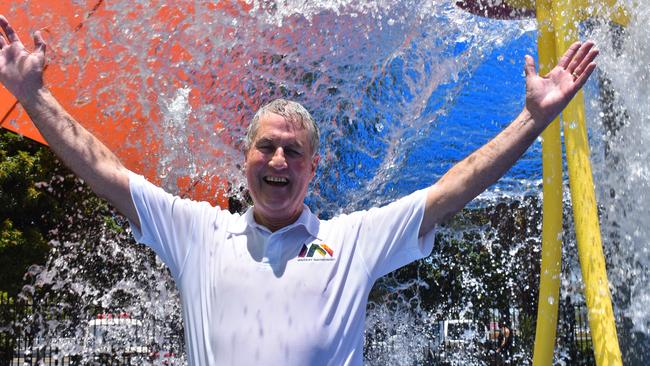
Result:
111,338
138,344
574,334
486,341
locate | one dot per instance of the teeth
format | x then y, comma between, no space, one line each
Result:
276,179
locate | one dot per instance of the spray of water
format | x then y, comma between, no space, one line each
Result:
378,76
622,167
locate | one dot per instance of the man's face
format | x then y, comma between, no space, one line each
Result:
279,167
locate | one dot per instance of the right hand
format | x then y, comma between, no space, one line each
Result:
21,71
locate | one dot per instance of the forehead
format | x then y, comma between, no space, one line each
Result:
273,126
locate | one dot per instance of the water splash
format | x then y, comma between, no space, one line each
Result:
381,77
622,170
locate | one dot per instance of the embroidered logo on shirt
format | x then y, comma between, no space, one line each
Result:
316,252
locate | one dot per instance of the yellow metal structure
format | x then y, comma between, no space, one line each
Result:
557,26
549,287
585,212
583,9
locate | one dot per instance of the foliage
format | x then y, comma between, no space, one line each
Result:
38,198
526,333
61,244
484,259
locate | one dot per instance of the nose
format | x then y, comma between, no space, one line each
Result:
278,160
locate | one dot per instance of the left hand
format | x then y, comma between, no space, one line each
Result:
547,96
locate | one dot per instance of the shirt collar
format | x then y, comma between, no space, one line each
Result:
246,221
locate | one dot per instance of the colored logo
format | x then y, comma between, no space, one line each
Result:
315,251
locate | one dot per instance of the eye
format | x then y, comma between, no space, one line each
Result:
292,152
265,148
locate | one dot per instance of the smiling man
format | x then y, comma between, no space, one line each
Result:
276,285
281,158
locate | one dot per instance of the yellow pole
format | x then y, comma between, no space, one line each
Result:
585,213
614,10
549,287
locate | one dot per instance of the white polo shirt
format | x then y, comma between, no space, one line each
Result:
293,297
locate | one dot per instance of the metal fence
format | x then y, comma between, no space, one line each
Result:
110,338
115,338
500,337
574,336
507,343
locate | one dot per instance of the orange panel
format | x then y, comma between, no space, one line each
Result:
13,117
15,120
67,83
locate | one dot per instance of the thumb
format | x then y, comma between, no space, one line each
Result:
529,68
39,42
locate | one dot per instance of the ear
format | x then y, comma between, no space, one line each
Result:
314,164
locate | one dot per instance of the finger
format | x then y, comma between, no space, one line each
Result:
568,55
591,56
580,56
9,31
3,42
529,67
582,79
39,42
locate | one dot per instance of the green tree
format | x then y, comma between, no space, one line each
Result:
38,198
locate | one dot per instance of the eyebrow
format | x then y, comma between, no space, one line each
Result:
263,140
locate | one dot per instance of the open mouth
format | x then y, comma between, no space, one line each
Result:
276,181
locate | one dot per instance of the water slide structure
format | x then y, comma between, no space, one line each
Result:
138,151
557,26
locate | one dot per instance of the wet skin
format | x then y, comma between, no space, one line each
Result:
279,166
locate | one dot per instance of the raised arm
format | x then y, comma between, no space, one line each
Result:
546,97
21,72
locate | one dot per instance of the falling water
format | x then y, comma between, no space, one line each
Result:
622,170
393,85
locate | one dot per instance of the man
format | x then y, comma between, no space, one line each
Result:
277,286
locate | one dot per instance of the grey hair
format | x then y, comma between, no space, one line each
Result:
293,112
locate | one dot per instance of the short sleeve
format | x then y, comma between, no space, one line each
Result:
388,237
167,222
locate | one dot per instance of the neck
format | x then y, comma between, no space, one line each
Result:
275,223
